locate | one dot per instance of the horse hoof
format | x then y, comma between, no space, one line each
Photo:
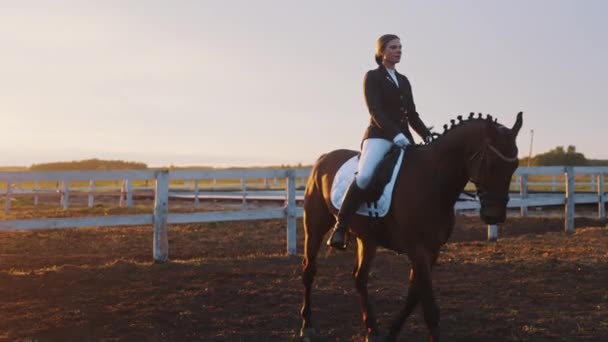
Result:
308,334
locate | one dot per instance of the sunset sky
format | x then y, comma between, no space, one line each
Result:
225,83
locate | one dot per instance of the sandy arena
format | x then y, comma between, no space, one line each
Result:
233,282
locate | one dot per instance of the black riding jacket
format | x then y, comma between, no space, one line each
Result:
391,107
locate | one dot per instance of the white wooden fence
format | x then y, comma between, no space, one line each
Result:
568,198
160,217
289,211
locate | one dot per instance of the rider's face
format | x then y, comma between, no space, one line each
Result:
392,51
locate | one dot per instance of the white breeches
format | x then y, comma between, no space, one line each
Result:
372,152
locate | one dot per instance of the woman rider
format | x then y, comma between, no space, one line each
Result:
388,95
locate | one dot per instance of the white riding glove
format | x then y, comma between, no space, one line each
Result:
400,140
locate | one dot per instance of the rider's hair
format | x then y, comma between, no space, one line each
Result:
381,45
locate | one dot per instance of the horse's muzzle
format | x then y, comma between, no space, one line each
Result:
493,207
492,220
492,215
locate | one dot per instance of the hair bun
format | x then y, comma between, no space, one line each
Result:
378,59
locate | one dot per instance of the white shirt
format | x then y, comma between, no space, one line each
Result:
393,76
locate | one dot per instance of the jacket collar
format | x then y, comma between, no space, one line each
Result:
388,77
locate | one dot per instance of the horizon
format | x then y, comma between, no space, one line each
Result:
239,165
242,84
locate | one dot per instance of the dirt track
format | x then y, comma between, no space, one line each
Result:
233,281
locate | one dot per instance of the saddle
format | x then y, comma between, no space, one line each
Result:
376,198
382,175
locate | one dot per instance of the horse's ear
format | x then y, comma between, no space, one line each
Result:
517,125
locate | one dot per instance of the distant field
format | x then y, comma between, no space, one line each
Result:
13,168
22,207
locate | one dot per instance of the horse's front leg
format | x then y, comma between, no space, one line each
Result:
411,301
421,289
366,251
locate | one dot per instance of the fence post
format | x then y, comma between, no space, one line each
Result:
492,232
91,195
516,182
244,191
290,212
570,200
554,183
36,186
196,191
65,196
129,185
121,200
161,210
9,188
523,194
601,205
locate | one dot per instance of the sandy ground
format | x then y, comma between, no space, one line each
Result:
233,282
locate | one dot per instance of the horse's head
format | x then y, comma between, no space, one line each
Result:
491,168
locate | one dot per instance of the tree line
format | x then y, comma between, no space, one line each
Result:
100,164
562,156
89,164
558,156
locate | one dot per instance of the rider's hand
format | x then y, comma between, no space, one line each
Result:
400,140
431,137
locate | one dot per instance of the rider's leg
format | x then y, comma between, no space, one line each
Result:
372,152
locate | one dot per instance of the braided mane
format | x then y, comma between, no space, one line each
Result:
454,124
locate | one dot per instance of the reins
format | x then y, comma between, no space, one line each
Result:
487,146
500,155
481,172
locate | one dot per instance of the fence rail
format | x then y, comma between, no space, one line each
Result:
163,190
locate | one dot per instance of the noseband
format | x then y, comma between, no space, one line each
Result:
482,170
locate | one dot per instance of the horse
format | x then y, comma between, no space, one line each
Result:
421,216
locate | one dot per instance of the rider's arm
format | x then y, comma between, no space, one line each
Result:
412,115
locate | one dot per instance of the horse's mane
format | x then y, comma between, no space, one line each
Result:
455,124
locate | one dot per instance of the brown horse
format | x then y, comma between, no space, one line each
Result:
421,217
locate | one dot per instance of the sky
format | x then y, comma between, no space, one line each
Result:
242,83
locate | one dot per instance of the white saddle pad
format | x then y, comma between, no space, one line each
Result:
346,175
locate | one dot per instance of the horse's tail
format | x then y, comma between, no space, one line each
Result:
312,182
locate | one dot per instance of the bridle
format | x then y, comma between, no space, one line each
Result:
482,171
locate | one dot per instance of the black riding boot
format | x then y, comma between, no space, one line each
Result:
352,200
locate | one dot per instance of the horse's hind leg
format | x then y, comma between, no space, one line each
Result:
317,221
